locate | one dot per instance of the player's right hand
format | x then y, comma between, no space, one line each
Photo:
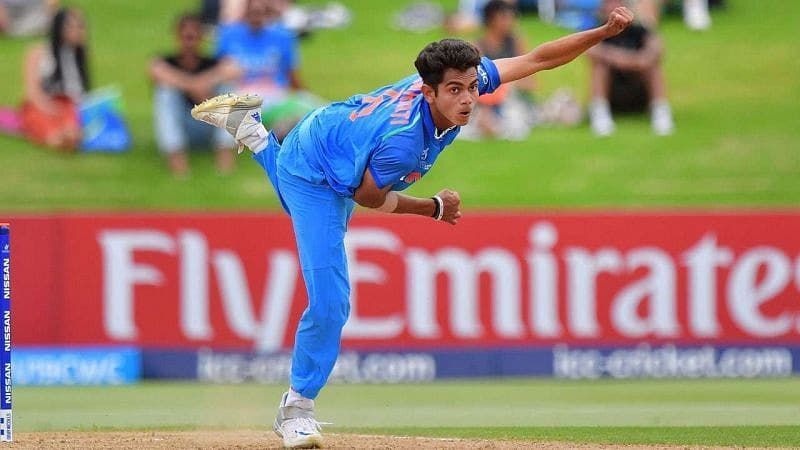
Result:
619,19
452,206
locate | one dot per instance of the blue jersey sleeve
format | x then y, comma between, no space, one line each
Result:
391,162
488,76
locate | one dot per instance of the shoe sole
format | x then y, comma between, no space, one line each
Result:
224,104
308,442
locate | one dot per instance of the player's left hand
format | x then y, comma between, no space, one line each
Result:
619,19
452,206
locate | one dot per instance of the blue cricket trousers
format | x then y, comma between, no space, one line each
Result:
319,218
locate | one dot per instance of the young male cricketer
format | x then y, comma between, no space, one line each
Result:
364,150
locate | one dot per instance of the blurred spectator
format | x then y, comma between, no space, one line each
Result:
627,76
181,80
26,17
267,54
56,77
508,112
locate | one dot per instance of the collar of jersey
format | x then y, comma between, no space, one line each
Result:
430,127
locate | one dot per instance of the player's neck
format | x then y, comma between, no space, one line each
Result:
440,121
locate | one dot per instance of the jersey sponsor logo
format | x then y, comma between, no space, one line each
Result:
411,177
484,76
256,116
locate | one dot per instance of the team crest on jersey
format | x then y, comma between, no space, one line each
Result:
411,177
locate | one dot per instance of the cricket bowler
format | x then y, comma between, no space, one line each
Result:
366,150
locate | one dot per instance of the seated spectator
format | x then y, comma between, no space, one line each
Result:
26,17
627,77
56,77
181,80
507,113
267,54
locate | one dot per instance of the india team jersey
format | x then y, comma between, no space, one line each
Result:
389,132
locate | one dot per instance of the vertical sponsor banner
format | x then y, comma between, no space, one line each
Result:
5,352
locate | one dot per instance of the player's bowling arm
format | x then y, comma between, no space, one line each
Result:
371,196
386,200
563,50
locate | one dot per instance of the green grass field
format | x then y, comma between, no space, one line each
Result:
695,412
735,92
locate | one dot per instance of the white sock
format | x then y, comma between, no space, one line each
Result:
601,105
256,139
295,399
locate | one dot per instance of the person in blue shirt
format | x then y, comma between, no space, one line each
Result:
267,55
366,150
265,50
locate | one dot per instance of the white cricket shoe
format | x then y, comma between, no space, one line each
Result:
239,115
297,426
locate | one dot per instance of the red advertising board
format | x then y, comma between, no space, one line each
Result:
232,281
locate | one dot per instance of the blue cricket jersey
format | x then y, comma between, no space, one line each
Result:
389,132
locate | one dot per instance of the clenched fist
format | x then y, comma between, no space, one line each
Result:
618,20
452,206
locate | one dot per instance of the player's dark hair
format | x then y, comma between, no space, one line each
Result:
437,57
495,7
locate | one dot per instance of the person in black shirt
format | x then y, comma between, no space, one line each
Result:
181,80
627,76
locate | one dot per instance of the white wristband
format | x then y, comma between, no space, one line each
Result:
440,207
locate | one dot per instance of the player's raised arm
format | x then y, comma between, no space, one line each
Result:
563,50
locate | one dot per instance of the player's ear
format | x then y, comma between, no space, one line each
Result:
429,93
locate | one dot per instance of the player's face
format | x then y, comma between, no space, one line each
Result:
455,97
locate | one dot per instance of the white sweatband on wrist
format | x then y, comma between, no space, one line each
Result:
439,207
390,203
